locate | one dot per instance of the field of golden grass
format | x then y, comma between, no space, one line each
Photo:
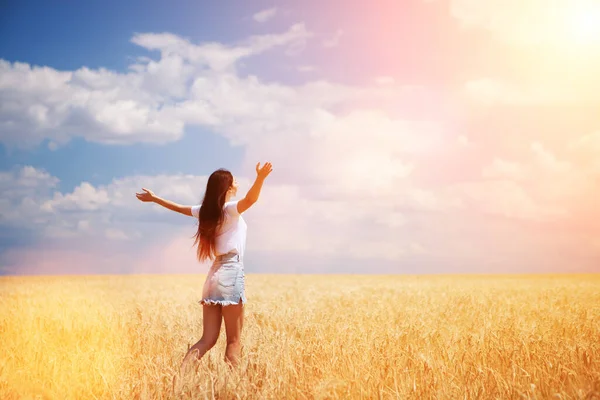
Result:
305,337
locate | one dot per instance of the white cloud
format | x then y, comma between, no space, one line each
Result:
31,195
265,15
283,221
355,184
547,160
84,197
341,148
113,211
548,89
589,143
22,190
335,40
511,20
505,198
493,92
503,169
216,56
151,103
542,187
399,223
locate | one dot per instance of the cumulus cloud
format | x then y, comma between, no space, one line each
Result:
265,15
492,92
217,56
22,192
511,20
500,168
589,143
542,187
30,196
365,182
389,217
548,91
150,103
284,220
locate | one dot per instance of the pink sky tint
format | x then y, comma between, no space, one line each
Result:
429,138
176,255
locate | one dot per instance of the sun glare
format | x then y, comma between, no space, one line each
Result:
585,24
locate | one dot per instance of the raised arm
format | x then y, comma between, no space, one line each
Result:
254,192
149,196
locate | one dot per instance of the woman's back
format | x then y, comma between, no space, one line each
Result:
231,233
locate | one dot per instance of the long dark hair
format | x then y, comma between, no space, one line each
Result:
211,212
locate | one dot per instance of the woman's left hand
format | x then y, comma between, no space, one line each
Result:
148,195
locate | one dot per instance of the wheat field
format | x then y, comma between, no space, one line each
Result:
305,337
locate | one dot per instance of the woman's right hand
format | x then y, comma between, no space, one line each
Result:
148,195
264,171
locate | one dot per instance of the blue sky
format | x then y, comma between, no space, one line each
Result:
407,137
67,36
97,35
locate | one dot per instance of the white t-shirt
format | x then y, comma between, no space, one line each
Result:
231,234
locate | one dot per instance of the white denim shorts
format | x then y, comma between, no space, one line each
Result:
224,283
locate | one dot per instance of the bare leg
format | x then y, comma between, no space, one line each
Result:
234,320
211,327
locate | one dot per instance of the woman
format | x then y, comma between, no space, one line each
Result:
221,237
